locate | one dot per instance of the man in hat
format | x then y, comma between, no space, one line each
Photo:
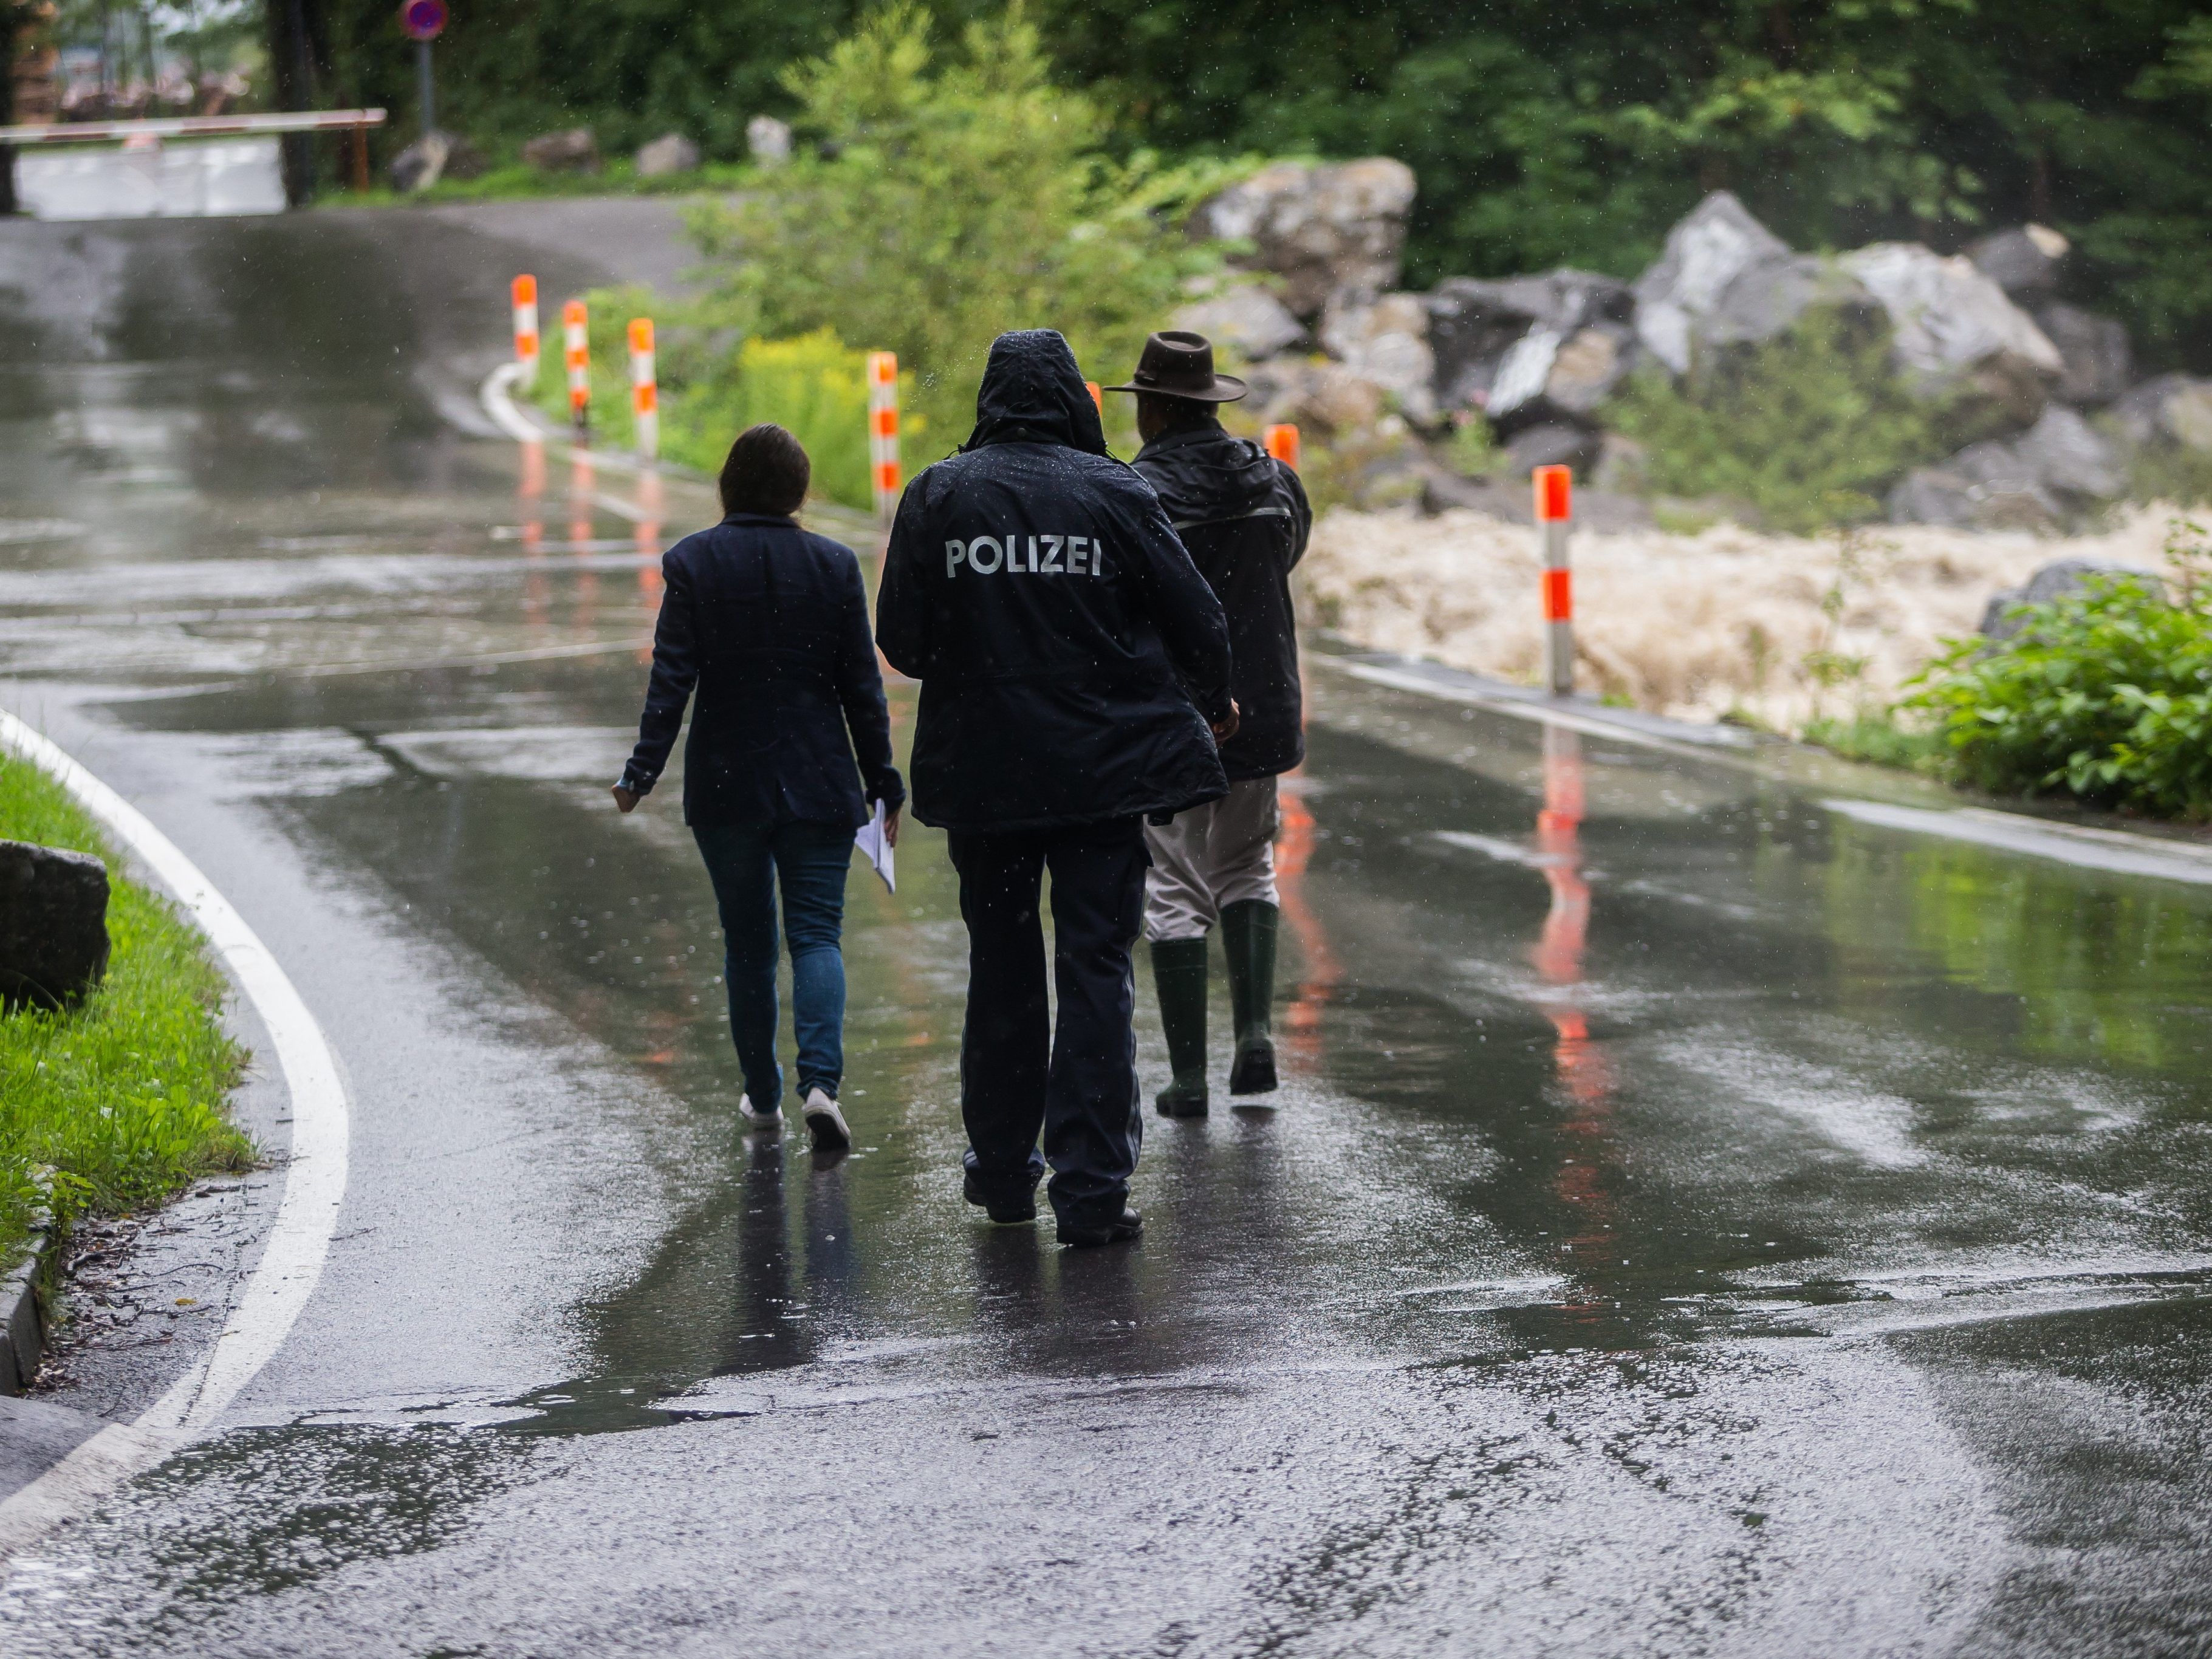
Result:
1071,661
1243,516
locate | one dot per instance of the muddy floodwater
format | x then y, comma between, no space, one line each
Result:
1701,1214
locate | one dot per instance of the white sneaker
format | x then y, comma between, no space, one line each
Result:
827,1123
767,1122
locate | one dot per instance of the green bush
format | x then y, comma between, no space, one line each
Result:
1809,428
945,202
119,1100
2105,694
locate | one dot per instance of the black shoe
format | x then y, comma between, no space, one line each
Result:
1181,1099
1006,1212
1253,1071
1130,1225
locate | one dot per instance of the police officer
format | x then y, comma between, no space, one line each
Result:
1072,662
1243,516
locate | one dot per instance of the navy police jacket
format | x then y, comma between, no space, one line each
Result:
769,622
1071,656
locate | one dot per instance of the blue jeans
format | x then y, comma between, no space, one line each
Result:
745,862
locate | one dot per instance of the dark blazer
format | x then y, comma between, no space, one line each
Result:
770,623
1061,632
1243,514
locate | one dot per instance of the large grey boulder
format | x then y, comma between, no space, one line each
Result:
2024,261
1324,230
1724,279
1314,392
2036,481
2174,408
1386,341
1476,326
768,140
54,924
2060,579
2096,361
1552,445
1546,379
669,153
1246,318
1955,334
422,164
433,156
573,149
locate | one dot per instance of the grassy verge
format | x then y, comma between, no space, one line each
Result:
122,1097
515,182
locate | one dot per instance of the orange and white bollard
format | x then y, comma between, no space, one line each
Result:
1282,442
882,431
525,327
1555,518
576,338
644,392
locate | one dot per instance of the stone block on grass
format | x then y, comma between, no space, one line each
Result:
54,924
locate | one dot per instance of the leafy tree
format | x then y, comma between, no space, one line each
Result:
948,200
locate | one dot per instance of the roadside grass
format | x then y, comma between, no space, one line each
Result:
118,1103
515,182
1874,736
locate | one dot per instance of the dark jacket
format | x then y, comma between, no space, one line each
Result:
1243,516
770,622
1060,631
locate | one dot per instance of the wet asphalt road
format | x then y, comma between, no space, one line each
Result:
1694,1221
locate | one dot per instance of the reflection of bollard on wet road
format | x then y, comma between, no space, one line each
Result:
525,329
644,391
1555,517
882,431
577,341
1282,442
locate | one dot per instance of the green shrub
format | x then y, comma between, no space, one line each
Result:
2170,473
119,1100
1809,428
2105,695
945,202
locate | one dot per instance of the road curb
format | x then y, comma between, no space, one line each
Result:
26,1291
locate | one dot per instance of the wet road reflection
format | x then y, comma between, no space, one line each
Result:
1694,1220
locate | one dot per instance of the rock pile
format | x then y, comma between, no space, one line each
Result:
1313,308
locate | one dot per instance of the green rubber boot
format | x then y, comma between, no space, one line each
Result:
1247,930
1179,972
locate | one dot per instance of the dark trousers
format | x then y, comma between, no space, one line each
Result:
747,863
1077,1083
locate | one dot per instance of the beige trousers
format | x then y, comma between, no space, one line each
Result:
1212,855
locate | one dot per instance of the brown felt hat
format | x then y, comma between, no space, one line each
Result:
1180,365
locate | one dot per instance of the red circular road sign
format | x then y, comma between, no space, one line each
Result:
423,19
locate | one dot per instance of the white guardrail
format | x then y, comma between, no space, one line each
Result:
190,126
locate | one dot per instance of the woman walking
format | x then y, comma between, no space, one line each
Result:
769,622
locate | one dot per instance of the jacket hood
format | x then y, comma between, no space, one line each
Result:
1204,474
1033,393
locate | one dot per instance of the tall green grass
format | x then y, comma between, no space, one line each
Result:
118,1101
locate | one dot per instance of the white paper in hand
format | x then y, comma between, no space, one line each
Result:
871,840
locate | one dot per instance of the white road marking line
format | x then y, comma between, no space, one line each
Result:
307,1215
2085,848
2084,845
